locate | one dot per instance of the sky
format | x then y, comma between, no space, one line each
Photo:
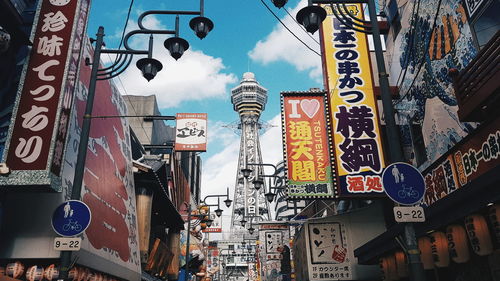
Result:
246,37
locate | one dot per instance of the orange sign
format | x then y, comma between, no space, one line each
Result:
307,148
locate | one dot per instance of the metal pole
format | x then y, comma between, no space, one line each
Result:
82,146
188,235
417,272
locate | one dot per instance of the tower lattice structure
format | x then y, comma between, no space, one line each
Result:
249,100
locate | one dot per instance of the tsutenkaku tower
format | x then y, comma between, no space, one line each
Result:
249,100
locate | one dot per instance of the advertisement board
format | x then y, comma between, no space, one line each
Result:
307,151
324,247
48,83
274,250
465,162
355,124
108,182
191,132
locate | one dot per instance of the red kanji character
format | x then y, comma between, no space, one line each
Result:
373,183
355,184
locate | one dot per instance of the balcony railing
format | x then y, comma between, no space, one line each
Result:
477,86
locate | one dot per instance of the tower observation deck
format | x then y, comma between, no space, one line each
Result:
249,100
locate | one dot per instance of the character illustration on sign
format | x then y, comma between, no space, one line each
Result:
327,243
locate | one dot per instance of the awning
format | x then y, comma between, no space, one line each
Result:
154,175
468,199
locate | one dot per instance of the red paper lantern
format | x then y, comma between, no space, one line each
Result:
425,247
457,243
34,273
15,269
479,235
401,265
388,266
439,246
494,217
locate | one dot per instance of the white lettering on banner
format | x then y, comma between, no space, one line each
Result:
54,22
43,67
251,210
294,113
50,92
50,47
34,120
33,145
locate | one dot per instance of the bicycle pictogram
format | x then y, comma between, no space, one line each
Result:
408,192
72,225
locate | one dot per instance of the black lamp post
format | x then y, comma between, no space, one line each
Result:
308,17
149,68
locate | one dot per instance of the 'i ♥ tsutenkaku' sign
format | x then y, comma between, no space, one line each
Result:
306,145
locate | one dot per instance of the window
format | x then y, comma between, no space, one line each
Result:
487,23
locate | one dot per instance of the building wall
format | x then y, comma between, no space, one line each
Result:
434,37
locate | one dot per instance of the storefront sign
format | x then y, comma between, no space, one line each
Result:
306,146
464,163
353,108
39,105
191,132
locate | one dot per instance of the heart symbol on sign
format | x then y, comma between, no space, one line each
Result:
318,243
310,107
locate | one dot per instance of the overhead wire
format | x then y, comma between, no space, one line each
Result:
286,27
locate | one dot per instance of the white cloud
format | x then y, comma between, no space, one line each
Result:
281,45
195,76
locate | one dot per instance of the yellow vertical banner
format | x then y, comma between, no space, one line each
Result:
355,125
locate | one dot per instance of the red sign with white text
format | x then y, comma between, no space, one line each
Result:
38,106
307,147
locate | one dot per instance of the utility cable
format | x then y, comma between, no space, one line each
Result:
307,46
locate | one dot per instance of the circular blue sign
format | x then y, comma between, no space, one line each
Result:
71,218
403,183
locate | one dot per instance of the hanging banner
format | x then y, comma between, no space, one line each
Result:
191,132
356,134
306,145
38,134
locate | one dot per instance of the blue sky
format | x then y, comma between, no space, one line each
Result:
246,37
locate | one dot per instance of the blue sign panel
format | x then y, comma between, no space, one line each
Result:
71,218
403,183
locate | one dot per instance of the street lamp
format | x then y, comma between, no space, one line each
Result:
219,211
309,17
149,68
258,183
243,222
251,230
